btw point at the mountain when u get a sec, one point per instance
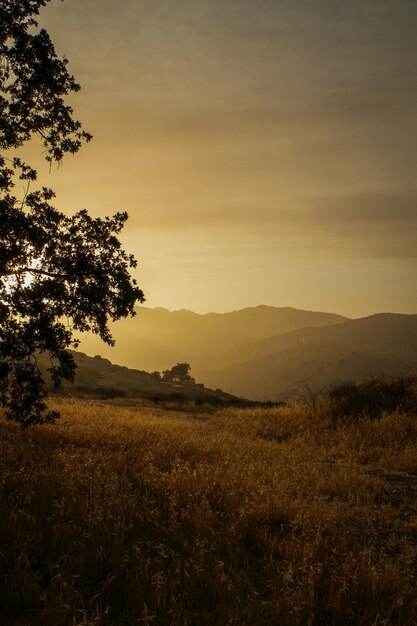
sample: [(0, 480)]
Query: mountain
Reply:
[(287, 365), (264, 353), (157, 338)]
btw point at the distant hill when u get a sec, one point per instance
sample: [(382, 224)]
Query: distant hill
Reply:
[(261, 353), (284, 366), (96, 375), (157, 338)]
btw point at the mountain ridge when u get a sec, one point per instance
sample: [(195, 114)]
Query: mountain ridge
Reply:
[(157, 338), (264, 352), (380, 344)]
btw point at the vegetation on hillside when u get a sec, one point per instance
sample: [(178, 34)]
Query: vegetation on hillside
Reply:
[(99, 378), (296, 515)]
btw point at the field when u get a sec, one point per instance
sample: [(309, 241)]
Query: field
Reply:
[(129, 513)]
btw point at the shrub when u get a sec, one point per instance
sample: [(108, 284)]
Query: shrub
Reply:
[(374, 398)]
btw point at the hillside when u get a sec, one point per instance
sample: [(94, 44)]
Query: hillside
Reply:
[(284, 366), (157, 338), (99, 376)]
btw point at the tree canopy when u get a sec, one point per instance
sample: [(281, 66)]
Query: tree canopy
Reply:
[(179, 373), (58, 274)]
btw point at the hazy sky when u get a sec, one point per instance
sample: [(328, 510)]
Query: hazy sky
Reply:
[(265, 150)]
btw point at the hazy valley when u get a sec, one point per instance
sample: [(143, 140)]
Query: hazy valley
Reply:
[(265, 353)]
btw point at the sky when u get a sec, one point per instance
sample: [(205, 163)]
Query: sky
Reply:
[(265, 151)]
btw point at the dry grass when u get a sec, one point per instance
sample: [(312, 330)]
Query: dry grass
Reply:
[(129, 515)]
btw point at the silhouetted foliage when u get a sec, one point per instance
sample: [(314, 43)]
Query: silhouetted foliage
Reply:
[(177, 397), (373, 398), (179, 373), (58, 274)]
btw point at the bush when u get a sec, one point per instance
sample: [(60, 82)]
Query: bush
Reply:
[(177, 397), (374, 398), (111, 392)]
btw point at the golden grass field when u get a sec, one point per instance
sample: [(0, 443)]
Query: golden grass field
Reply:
[(135, 514)]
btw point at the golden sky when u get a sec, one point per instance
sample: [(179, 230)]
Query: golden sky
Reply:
[(265, 151)]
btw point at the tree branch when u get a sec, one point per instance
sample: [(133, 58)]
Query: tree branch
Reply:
[(33, 270)]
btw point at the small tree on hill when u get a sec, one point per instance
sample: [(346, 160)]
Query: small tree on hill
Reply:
[(58, 274), (179, 373)]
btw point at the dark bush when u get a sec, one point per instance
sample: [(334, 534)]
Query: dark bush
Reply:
[(177, 397), (109, 393), (373, 398)]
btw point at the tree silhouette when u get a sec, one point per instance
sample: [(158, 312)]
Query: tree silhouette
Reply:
[(58, 274), (179, 373)]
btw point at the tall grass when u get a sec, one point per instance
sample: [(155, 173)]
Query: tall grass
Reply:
[(283, 516)]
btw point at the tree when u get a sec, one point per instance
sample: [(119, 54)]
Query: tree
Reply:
[(179, 373), (58, 273)]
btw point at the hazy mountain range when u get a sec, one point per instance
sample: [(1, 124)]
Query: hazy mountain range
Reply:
[(295, 363), (265, 352), (157, 338)]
